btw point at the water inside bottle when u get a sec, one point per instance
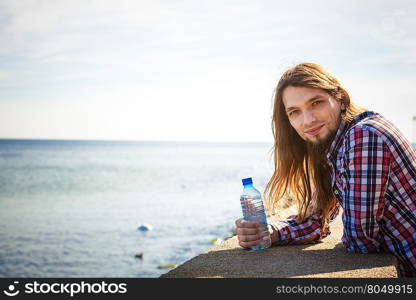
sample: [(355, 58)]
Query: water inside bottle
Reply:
[(253, 210)]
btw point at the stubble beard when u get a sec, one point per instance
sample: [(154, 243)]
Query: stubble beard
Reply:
[(318, 150), (319, 164)]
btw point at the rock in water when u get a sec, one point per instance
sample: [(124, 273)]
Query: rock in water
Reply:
[(145, 227), (168, 266), (216, 241)]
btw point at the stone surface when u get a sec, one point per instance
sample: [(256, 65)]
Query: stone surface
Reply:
[(325, 259)]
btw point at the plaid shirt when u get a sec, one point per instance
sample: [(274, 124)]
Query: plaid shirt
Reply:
[(374, 180)]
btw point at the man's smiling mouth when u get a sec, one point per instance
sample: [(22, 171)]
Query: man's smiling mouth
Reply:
[(315, 130)]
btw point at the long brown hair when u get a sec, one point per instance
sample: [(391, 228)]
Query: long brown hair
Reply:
[(296, 172)]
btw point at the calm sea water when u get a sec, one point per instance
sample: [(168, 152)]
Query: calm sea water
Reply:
[(72, 208)]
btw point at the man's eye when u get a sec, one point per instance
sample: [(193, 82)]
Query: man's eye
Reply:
[(293, 113), (317, 102)]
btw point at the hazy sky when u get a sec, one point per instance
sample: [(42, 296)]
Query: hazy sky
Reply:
[(192, 70)]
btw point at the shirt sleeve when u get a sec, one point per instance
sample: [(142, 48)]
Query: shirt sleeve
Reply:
[(290, 231), (365, 175)]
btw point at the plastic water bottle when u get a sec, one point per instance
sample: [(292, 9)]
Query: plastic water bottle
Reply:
[(253, 210)]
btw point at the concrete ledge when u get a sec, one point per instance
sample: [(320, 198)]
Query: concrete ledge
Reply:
[(325, 259)]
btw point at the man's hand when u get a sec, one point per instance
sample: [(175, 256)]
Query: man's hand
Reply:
[(248, 233)]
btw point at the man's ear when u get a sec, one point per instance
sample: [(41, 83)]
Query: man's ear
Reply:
[(339, 97)]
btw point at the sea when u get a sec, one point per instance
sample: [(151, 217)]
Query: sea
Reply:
[(73, 208)]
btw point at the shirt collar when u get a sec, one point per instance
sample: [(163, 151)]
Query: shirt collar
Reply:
[(342, 129)]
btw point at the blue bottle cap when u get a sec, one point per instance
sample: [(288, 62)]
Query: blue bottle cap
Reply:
[(247, 181)]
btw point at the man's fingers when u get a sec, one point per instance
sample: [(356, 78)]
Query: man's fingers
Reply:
[(250, 243), (246, 224), (246, 231), (249, 238)]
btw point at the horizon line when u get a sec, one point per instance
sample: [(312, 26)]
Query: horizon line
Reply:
[(134, 141)]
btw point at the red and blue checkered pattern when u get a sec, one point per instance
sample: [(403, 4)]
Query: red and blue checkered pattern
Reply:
[(374, 179)]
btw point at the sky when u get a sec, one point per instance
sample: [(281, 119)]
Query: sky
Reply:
[(192, 70)]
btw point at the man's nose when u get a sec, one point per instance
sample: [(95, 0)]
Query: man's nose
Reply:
[(308, 119)]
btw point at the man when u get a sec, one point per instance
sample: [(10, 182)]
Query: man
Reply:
[(329, 152)]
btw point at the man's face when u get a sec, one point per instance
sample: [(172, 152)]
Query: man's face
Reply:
[(313, 113)]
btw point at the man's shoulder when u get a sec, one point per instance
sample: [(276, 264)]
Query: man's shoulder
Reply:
[(370, 125), (371, 134)]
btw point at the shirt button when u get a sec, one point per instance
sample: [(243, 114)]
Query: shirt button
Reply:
[(336, 192)]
